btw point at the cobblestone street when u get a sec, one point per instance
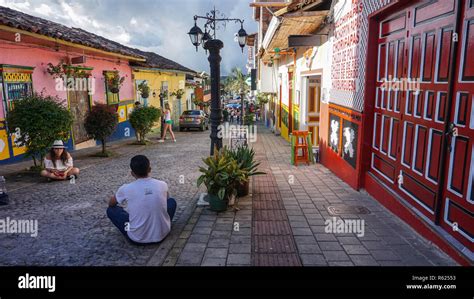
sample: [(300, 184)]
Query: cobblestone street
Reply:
[(73, 227), (281, 223)]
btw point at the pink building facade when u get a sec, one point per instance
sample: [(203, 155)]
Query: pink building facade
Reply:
[(23, 69)]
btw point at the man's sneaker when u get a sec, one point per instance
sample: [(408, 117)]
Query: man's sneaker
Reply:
[(161, 140)]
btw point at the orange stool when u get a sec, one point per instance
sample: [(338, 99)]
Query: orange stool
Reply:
[(301, 143)]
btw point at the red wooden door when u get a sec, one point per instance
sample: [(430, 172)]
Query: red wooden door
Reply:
[(416, 44), (458, 196)]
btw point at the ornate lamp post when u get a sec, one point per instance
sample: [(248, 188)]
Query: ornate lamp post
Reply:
[(213, 45)]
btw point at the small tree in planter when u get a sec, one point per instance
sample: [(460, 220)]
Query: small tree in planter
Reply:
[(143, 119), (144, 89), (39, 120), (100, 123), (114, 82)]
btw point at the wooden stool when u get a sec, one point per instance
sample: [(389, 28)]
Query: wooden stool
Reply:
[(301, 138)]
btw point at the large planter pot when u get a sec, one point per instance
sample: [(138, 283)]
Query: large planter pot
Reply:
[(216, 204), (145, 95), (243, 189)]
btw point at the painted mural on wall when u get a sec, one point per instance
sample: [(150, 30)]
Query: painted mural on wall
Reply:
[(350, 133), (349, 51), (334, 132)]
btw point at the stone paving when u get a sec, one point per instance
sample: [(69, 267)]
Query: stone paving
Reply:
[(282, 223), (73, 226)]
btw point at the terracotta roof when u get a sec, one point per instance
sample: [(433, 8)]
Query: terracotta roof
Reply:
[(19, 20), (154, 60)]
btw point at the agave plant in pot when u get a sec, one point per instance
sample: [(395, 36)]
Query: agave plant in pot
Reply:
[(245, 158), (220, 178)]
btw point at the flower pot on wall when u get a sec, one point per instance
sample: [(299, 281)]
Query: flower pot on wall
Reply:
[(145, 95), (216, 204)]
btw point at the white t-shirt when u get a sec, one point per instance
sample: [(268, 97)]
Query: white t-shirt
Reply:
[(147, 207), (48, 164)]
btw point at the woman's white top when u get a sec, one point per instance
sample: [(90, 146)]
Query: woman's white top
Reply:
[(48, 164), (167, 115)]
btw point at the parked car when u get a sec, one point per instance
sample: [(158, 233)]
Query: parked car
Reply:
[(197, 119)]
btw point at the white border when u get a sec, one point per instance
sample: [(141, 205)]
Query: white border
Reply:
[(426, 104), (438, 53), (403, 146), (378, 171), (374, 136), (471, 179), (450, 167), (456, 110), (413, 162), (382, 128), (446, 210), (438, 107), (390, 141), (463, 49), (422, 204), (428, 160)]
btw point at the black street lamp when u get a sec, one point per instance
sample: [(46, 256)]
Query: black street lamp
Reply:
[(213, 45)]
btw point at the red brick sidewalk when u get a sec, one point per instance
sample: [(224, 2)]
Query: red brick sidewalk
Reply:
[(272, 239)]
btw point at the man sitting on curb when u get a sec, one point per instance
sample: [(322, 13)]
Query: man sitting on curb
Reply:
[(150, 210)]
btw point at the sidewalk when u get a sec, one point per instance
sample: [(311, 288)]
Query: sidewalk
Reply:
[(283, 223)]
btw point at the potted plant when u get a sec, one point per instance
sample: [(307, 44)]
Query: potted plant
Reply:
[(178, 93), (220, 179), (245, 158), (114, 82), (144, 89)]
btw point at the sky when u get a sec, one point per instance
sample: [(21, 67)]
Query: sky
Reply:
[(159, 26)]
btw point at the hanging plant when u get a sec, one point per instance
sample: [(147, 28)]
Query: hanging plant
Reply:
[(144, 89), (62, 70), (178, 93), (114, 81)]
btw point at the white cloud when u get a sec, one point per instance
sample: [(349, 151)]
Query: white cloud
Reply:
[(44, 9), (158, 26), (18, 5)]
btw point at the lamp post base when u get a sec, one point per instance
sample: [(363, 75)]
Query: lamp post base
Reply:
[(214, 46)]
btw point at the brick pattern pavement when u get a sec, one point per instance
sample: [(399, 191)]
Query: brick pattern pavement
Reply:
[(214, 239), (272, 238), (306, 192)]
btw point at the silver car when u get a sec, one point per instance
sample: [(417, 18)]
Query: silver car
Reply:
[(193, 119)]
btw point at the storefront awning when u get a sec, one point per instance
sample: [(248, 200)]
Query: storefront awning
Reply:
[(296, 23)]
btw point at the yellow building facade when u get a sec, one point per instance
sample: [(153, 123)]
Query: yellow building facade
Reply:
[(158, 81)]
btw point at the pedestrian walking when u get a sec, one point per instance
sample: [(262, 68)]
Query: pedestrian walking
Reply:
[(168, 124)]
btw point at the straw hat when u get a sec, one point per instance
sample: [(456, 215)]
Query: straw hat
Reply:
[(58, 144)]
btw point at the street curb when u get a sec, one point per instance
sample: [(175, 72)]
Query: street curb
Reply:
[(158, 258)]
